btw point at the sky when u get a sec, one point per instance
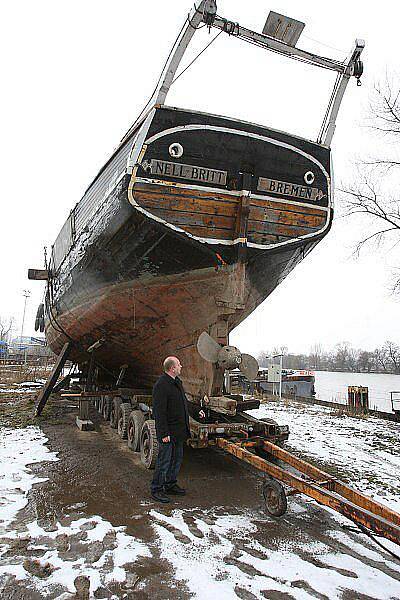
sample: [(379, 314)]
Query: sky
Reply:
[(76, 74)]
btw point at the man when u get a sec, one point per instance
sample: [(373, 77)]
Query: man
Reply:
[(171, 416)]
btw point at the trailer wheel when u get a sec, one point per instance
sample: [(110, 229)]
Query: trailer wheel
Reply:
[(135, 424), (123, 418), (106, 407), (148, 444), (114, 414), (274, 498)]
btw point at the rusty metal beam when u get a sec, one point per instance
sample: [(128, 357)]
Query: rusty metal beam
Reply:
[(338, 486), (52, 380), (384, 526), (98, 393)]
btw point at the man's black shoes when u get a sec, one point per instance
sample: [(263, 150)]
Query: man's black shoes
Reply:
[(175, 490), (160, 497)]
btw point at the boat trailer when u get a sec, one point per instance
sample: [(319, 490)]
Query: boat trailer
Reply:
[(311, 481), (255, 442)]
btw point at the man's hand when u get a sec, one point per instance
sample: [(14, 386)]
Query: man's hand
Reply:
[(166, 439)]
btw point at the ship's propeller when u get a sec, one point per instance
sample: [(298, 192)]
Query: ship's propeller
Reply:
[(249, 367), (227, 357)]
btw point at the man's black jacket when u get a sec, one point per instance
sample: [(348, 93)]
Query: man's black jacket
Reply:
[(170, 408)]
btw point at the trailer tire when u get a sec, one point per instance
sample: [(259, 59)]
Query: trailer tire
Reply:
[(123, 417), (39, 321), (274, 498), (106, 407), (114, 413), (148, 444), (135, 424)]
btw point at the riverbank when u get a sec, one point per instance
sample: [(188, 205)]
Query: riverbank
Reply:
[(332, 387), (334, 405)]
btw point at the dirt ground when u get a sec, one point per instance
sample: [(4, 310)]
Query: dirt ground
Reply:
[(216, 541)]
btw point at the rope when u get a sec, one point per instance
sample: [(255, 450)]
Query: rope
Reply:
[(196, 57), (374, 539)]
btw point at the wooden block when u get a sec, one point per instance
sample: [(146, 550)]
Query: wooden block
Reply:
[(84, 424)]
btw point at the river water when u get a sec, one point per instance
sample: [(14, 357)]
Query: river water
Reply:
[(333, 387)]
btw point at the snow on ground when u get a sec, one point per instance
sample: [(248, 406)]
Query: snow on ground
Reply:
[(18, 448), (245, 555), (218, 557), (204, 550), (102, 563)]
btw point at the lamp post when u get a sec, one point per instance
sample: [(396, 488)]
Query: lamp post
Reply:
[(280, 374), (26, 294)]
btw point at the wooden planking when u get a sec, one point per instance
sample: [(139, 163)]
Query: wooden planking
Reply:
[(287, 206), (206, 232), (188, 218), (210, 207), (262, 238), (215, 207), (286, 217), (277, 229), (173, 190), (213, 215)]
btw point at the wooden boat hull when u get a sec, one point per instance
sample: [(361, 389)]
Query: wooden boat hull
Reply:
[(157, 252)]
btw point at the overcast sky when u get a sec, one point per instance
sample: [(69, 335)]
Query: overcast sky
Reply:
[(76, 74)]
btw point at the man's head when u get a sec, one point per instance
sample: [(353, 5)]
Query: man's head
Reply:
[(172, 366)]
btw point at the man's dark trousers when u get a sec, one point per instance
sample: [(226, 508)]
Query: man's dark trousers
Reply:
[(169, 461)]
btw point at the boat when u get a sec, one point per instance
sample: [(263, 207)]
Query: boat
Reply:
[(191, 224), (300, 382)]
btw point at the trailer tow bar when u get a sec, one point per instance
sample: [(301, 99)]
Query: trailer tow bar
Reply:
[(316, 484)]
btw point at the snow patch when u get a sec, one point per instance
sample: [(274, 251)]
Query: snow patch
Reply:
[(18, 449)]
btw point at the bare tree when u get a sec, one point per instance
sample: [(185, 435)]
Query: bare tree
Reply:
[(277, 350), (368, 196), (6, 326), (316, 353), (365, 362), (263, 358), (345, 357), (392, 351), (380, 359)]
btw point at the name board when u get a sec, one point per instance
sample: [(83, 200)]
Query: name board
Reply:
[(181, 171), (289, 189)]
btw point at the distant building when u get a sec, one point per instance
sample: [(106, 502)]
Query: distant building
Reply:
[(29, 340), (27, 347)]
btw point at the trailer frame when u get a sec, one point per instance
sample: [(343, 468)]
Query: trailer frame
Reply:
[(256, 442), (318, 485)]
